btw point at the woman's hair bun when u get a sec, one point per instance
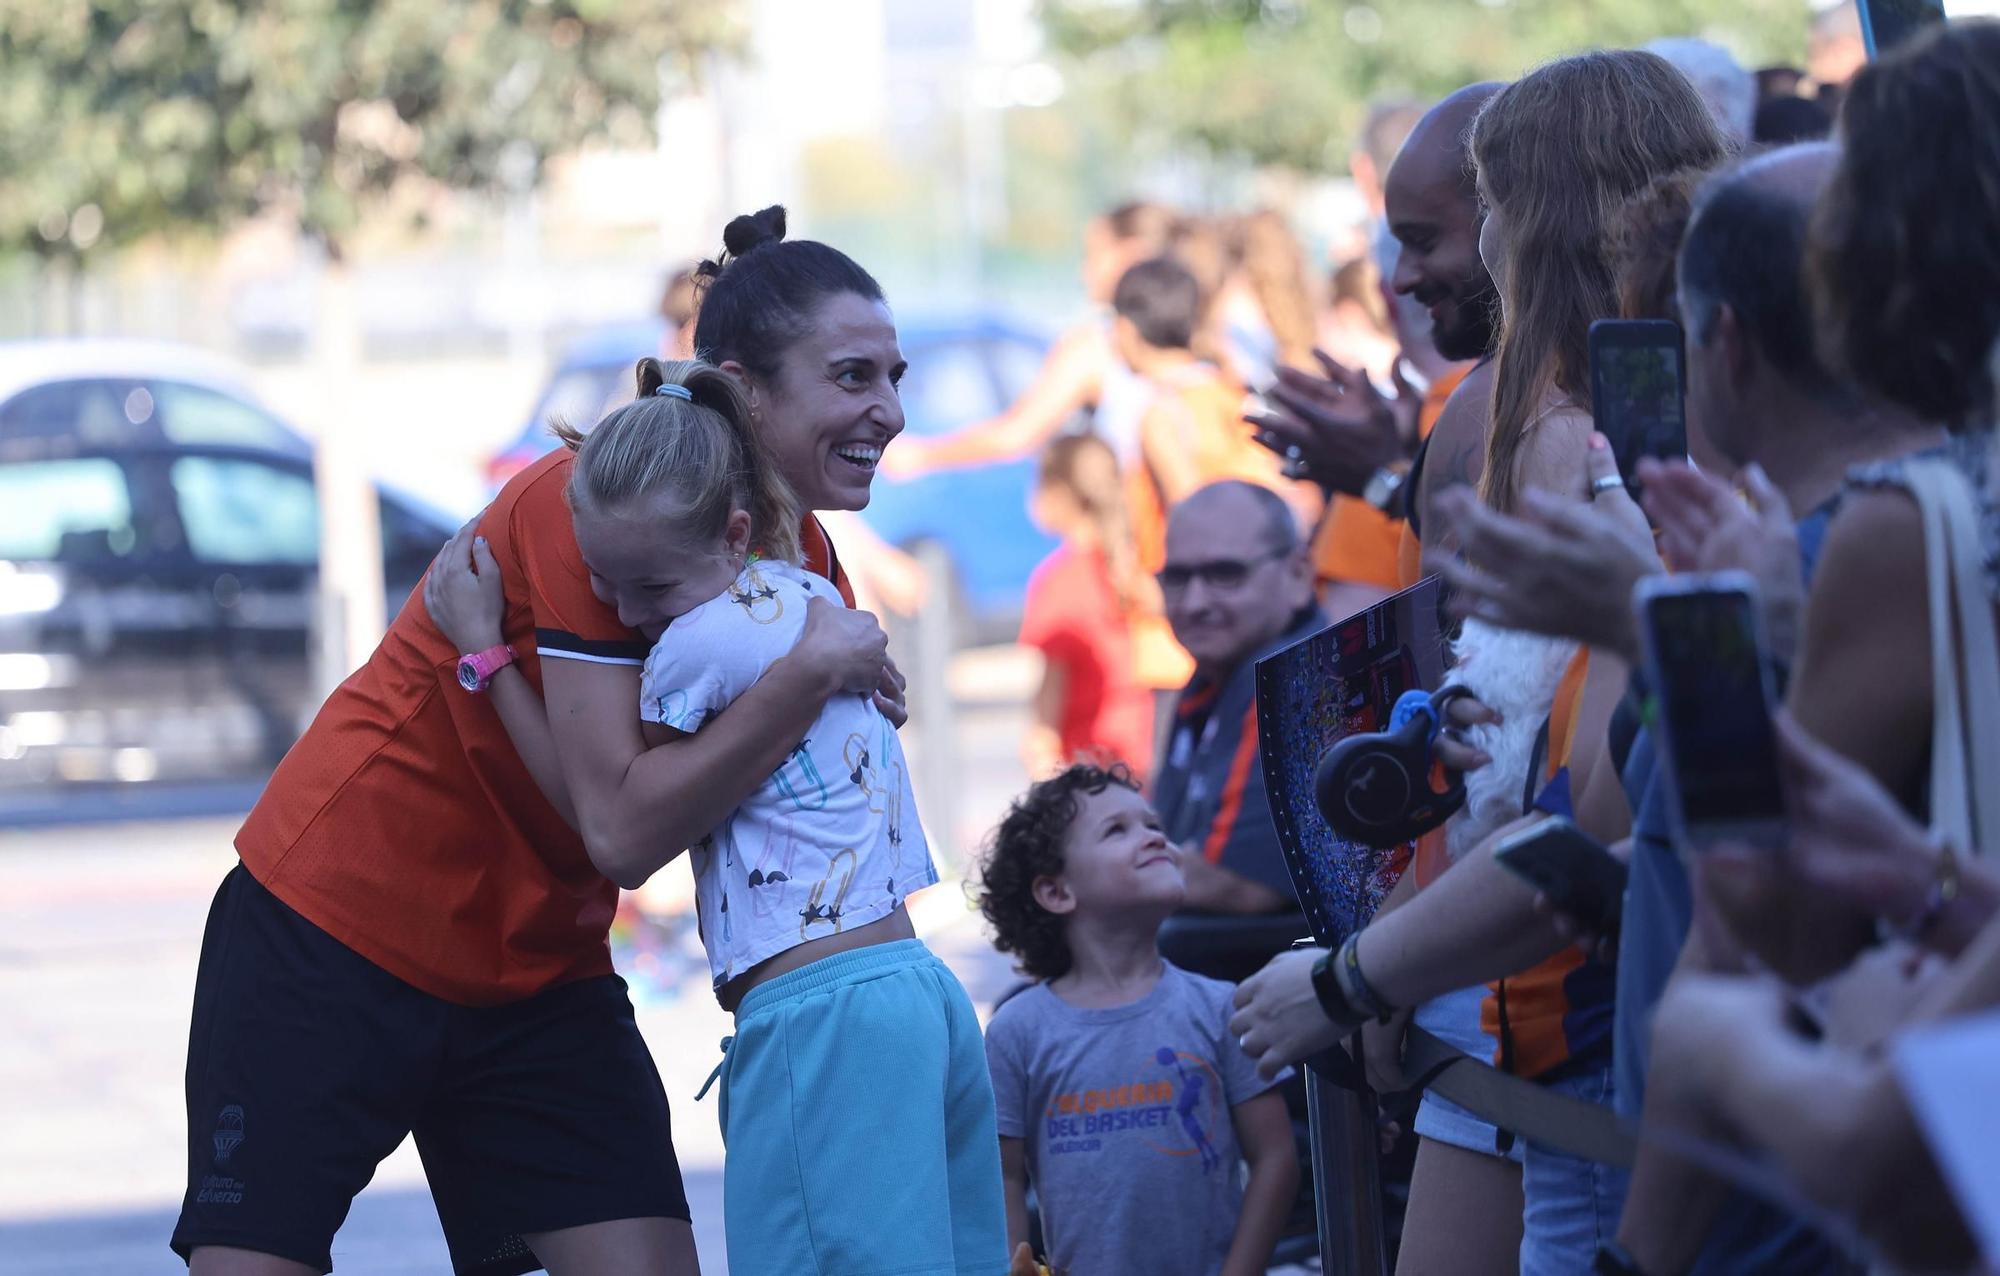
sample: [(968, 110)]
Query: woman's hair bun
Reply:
[(754, 230)]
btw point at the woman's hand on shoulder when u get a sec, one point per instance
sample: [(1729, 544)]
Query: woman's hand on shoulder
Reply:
[(847, 650), (462, 591)]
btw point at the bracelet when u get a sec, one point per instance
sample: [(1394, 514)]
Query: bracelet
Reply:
[(1354, 984)]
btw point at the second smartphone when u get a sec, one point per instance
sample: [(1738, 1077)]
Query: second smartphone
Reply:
[(1706, 658)]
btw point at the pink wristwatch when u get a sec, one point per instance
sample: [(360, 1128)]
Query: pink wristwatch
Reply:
[(477, 669)]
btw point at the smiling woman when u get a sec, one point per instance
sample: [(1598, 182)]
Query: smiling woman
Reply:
[(809, 333), (407, 861)]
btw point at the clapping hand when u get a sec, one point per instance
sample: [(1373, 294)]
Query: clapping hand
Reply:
[(1706, 527), (1337, 430)]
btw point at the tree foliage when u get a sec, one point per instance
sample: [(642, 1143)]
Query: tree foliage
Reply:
[(1287, 82), (124, 118)]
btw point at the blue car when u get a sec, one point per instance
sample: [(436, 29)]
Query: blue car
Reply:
[(963, 368)]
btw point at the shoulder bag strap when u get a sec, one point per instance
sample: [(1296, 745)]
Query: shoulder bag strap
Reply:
[(1962, 643)]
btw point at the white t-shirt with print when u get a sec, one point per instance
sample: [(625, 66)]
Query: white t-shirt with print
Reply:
[(831, 840)]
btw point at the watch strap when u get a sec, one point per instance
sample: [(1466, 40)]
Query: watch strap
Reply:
[(477, 669), (1332, 995)]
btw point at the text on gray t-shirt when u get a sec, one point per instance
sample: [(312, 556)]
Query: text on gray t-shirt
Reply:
[(1127, 1117)]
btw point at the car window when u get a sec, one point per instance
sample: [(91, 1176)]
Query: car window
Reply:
[(65, 510), (242, 511), (199, 415), (947, 386), (90, 413)]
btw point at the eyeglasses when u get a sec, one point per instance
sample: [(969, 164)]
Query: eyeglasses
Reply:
[(1218, 573)]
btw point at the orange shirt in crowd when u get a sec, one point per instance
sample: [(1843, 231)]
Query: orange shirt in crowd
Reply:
[(1558, 1009), (404, 824), (1200, 417), (1357, 543), (1073, 616)]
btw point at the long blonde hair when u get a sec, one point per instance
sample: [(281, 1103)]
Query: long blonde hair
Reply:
[(1558, 153), (690, 460)]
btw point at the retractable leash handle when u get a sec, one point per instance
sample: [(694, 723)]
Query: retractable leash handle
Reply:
[(1375, 788)]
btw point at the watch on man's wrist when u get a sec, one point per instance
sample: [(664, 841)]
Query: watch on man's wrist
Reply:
[(1332, 996), (1384, 491), (476, 671)]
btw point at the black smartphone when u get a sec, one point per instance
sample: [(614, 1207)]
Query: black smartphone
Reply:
[(1580, 877), (1706, 656), (1638, 391), (1887, 23)]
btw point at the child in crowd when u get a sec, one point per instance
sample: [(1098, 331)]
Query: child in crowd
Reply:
[(1079, 614), (847, 1027), (1121, 1095)]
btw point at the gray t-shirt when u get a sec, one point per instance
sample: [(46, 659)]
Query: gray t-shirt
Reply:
[(1126, 1113)]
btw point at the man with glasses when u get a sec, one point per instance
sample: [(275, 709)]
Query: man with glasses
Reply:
[(1238, 585)]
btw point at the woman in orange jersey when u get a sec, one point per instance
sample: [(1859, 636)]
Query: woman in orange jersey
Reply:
[(415, 940)]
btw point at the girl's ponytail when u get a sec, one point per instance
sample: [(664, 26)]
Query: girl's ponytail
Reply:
[(688, 445), (774, 509)]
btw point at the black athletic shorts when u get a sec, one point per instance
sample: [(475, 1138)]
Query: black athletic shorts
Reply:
[(307, 1064)]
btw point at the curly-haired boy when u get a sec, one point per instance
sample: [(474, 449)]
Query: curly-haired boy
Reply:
[(1120, 1092)]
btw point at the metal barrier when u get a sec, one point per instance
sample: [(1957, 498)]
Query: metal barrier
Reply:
[(1347, 1176)]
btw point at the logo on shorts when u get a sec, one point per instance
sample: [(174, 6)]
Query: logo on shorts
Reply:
[(228, 1132)]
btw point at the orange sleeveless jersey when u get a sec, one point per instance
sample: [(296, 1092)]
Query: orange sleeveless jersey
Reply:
[(404, 824), (1551, 1012), (1357, 542)]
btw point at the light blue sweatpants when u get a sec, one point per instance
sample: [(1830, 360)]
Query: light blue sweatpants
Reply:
[(857, 1110)]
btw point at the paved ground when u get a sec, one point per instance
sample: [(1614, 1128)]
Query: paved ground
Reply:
[(100, 925)]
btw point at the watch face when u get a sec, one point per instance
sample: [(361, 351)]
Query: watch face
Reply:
[(468, 677)]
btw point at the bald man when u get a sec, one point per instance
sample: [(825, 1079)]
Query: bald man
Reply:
[(1356, 443), (1237, 587)]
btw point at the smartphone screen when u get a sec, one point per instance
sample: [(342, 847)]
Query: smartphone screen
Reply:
[(1887, 23), (1638, 391), (1714, 708)]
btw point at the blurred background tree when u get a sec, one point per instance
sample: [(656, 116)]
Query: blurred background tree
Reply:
[(129, 118), (1286, 83), (177, 120)]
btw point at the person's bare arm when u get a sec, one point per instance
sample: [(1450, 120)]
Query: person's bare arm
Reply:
[(1476, 922), (639, 808), (1014, 1178), (1598, 791), (462, 593), (1553, 456), (1863, 683), (1071, 379), (1728, 1064), (1264, 1131), (1456, 457), (1863, 688)]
